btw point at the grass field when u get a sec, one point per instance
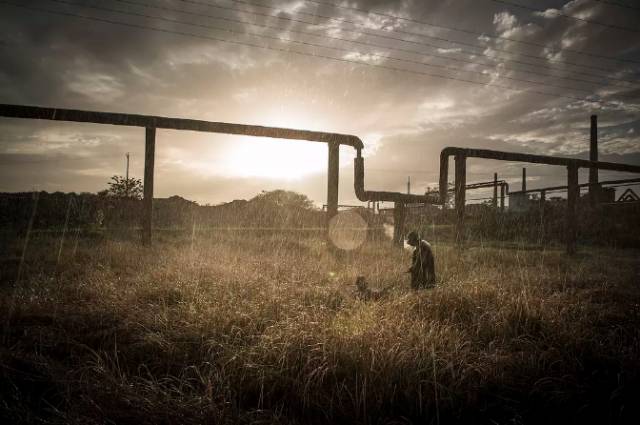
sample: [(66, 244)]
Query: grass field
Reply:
[(236, 328)]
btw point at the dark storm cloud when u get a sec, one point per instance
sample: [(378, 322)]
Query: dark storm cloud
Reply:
[(404, 119)]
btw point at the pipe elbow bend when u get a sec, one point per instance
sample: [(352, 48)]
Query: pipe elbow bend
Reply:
[(358, 179)]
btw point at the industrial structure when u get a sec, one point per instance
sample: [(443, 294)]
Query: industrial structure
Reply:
[(152, 123), (401, 201)]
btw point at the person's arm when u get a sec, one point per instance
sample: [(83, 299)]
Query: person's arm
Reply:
[(414, 261)]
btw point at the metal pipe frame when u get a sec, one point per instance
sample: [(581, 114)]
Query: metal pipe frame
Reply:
[(152, 123), (503, 184), (400, 200), (581, 185), (482, 185), (381, 196), (573, 165), (522, 157)]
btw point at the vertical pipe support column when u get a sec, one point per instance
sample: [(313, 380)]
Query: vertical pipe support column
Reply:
[(502, 198), (147, 201), (399, 214), (460, 187), (572, 210), (332, 180), (593, 156), (443, 184), (543, 200), (495, 191), (524, 179)]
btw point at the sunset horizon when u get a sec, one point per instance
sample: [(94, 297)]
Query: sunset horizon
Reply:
[(367, 212)]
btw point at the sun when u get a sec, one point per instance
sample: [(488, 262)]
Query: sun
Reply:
[(279, 159)]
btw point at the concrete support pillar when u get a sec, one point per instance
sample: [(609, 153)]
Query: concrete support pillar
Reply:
[(460, 189), (147, 201)]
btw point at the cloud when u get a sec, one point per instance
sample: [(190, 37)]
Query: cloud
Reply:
[(455, 50), (374, 58), (405, 119), (98, 87), (504, 21), (548, 13)]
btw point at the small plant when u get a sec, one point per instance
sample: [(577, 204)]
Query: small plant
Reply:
[(122, 187)]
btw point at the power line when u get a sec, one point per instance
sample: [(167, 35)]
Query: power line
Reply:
[(449, 28), (414, 34), (612, 3), (309, 54), (309, 44), (422, 43), (363, 43), (564, 15)]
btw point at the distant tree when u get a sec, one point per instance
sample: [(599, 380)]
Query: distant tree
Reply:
[(121, 187), (284, 199)]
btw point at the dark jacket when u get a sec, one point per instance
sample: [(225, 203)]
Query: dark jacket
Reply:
[(423, 272)]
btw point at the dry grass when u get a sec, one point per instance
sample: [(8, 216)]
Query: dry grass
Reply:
[(231, 329)]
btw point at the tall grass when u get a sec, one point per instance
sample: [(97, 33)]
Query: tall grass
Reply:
[(234, 328)]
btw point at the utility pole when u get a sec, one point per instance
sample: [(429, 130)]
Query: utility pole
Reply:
[(409, 185)]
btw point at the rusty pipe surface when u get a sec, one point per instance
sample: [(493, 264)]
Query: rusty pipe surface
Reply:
[(150, 121), (377, 196), (522, 157), (483, 185), (539, 159), (601, 183)]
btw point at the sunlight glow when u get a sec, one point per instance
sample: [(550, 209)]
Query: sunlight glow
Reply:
[(277, 158)]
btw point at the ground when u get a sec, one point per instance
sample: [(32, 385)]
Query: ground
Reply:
[(246, 328)]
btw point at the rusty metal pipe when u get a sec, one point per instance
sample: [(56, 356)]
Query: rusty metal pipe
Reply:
[(572, 165), (538, 159), (150, 121), (521, 157), (602, 183), (377, 196), (483, 185)]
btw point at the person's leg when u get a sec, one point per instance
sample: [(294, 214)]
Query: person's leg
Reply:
[(431, 270), (415, 280)]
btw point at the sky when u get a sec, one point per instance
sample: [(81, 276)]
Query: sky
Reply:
[(407, 77)]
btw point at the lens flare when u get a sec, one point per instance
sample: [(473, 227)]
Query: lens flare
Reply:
[(347, 230)]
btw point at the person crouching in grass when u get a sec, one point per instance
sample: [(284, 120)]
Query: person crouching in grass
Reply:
[(423, 272)]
